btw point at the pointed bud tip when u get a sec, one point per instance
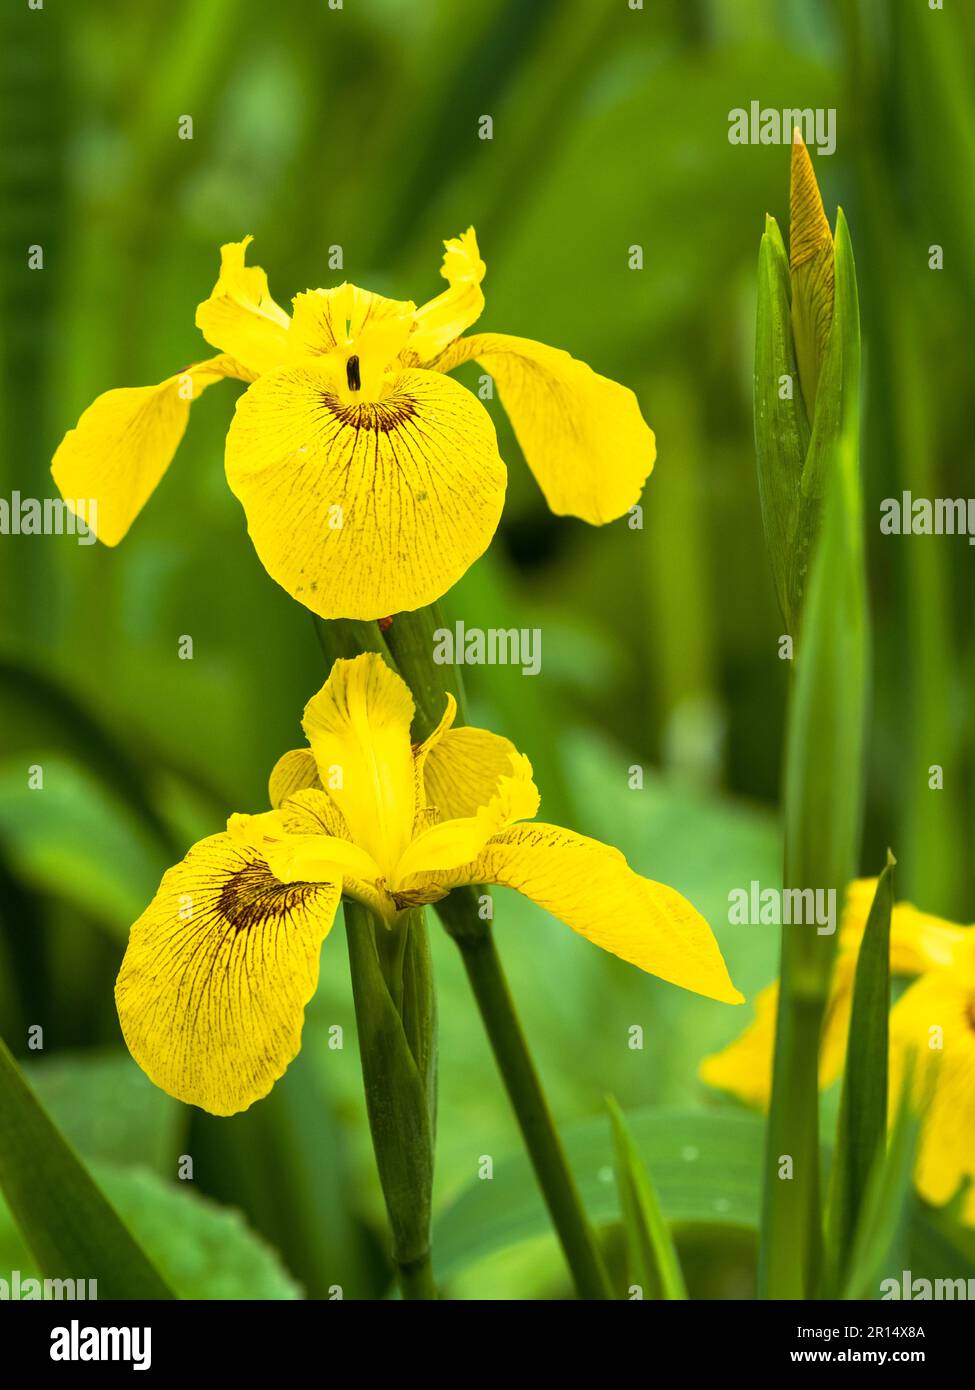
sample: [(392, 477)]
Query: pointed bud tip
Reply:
[(808, 227)]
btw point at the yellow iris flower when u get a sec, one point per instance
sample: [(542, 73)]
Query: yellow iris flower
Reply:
[(370, 479), (219, 968), (942, 957)]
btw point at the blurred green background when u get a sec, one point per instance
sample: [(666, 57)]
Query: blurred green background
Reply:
[(358, 127)]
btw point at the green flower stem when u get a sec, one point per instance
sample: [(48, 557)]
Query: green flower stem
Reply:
[(458, 911), (396, 1021)]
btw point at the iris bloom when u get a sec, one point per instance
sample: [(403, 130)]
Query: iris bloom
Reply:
[(941, 957), (370, 479), (219, 968)]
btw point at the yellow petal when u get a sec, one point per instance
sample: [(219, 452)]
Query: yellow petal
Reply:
[(212, 991), (464, 770), (455, 842), (744, 1067), (590, 887), (292, 773), (305, 855), (111, 462), (441, 320), (932, 1035), (367, 510), (240, 317), (350, 323), (358, 726), (582, 435), (812, 270), (918, 941)]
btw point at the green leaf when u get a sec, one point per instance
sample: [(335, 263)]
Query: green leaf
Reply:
[(706, 1168), (651, 1257), (824, 782), (72, 839), (202, 1249), (67, 1222), (882, 1233), (862, 1125), (781, 427)]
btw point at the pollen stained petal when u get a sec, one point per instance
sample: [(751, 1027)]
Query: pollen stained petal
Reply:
[(366, 509), (582, 435), (219, 968)]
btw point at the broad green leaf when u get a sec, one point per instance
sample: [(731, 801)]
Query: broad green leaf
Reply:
[(706, 1167), (651, 1257), (65, 1219), (862, 1126), (203, 1250), (72, 839)]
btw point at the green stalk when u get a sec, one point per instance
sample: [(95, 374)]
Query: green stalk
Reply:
[(396, 1022), (458, 912), (409, 639), (809, 483)]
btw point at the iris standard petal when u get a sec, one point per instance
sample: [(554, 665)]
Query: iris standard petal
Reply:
[(219, 968), (438, 322), (364, 510), (358, 726), (240, 317), (463, 771), (125, 441), (582, 435)]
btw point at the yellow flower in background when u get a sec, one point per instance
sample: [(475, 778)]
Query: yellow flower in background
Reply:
[(370, 479), (932, 1036), (918, 942), (934, 1020), (219, 968)]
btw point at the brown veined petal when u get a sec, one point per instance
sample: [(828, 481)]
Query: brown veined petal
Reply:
[(364, 510), (441, 320), (590, 887), (240, 317), (109, 465), (292, 773), (582, 435), (219, 968), (462, 772)]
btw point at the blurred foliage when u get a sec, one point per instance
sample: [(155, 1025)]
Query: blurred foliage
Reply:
[(357, 127)]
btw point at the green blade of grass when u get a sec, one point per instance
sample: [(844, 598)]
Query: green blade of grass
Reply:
[(882, 1230), (862, 1125), (652, 1259), (72, 1230)]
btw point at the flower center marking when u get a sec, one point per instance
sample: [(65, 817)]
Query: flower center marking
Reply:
[(352, 374)]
